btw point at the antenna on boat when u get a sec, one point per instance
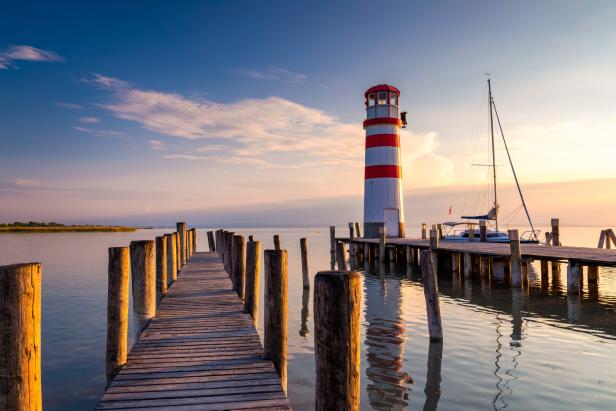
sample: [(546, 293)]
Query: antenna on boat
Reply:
[(491, 103)]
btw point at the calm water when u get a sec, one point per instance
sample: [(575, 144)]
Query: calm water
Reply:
[(502, 349)]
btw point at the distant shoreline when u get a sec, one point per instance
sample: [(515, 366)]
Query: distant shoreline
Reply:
[(66, 229)]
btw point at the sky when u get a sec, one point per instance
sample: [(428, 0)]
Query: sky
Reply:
[(250, 112)]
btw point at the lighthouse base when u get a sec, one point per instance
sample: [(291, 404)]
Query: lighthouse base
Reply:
[(371, 230)]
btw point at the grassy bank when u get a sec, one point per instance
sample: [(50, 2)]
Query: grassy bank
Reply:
[(65, 229)]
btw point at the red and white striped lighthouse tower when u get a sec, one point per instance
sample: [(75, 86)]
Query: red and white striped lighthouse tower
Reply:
[(383, 176)]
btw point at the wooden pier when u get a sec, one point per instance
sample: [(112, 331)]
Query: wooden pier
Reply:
[(200, 351)]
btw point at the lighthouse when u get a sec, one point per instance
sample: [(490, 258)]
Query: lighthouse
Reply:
[(383, 173)]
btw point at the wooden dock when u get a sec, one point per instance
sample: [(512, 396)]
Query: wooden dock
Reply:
[(200, 352), (583, 255)]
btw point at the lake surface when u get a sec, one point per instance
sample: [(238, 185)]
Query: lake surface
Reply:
[(525, 350)]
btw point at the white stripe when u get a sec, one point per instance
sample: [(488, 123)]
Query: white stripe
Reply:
[(381, 193), (382, 129), (377, 156)]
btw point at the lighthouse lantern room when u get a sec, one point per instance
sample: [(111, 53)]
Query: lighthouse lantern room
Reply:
[(383, 203)]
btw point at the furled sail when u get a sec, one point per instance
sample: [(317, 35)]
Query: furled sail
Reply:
[(491, 215)]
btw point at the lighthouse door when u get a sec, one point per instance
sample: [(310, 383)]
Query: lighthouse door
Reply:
[(391, 217)]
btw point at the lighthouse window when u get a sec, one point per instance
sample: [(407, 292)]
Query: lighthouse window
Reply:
[(393, 98), (370, 99), (382, 97)]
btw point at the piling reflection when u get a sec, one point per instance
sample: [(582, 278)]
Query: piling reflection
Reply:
[(433, 376), (303, 330), (385, 338)]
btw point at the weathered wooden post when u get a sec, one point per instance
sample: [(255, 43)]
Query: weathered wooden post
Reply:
[(483, 231), (467, 266), (351, 238), (455, 264), (434, 240), (228, 260), (516, 258), (593, 274), (277, 242), (118, 272), (337, 296), (382, 243), (188, 245), (357, 230), (20, 341), (181, 227), (430, 286), (275, 315), (471, 232), (484, 267), (253, 268), (210, 241), (194, 240), (161, 267), (424, 233), (172, 273), (303, 245), (239, 264), (178, 258), (341, 256), (556, 232), (332, 245), (143, 274), (574, 277), (439, 229)]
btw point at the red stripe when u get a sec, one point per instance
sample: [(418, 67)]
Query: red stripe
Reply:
[(382, 120), (383, 140), (383, 172)]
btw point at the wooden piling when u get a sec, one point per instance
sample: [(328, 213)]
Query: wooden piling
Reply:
[(210, 241), (332, 246), (172, 273), (20, 340), (228, 260), (118, 272), (424, 234), (188, 244), (556, 232), (430, 286), (382, 243), (178, 258), (484, 267), (434, 240), (251, 238), (574, 277), (303, 245), (277, 242), (239, 264), (351, 238), (471, 232), (455, 263), (275, 315), (439, 229), (337, 298), (483, 231), (357, 230), (194, 240), (143, 275), (253, 268), (593, 274), (516, 259), (161, 267), (181, 227), (341, 257)]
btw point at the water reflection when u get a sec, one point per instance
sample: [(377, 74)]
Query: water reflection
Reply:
[(385, 338), (433, 376)]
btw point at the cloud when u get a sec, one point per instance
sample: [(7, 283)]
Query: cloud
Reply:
[(25, 182), (102, 133), (273, 73), (157, 145), (69, 106), (89, 120), (25, 53)]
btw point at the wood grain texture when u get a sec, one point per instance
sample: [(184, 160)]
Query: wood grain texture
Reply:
[(239, 264), (337, 297), (253, 269), (430, 287), (303, 246), (20, 337), (275, 311), (201, 352), (118, 274), (161, 267), (172, 273)]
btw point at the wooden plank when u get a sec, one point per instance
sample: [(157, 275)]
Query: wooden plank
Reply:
[(200, 351)]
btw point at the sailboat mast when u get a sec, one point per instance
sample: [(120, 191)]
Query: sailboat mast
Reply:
[(493, 152)]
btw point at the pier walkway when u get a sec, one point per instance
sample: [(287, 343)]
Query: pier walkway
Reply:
[(583, 255), (200, 352)]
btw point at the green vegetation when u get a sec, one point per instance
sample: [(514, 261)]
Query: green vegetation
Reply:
[(38, 227)]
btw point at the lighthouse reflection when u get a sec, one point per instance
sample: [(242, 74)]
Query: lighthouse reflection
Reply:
[(388, 385)]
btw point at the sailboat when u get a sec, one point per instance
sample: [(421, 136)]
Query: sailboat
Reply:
[(451, 232)]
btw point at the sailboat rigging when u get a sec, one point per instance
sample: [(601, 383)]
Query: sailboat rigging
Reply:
[(492, 215)]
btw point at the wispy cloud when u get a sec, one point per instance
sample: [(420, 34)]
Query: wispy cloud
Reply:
[(89, 120), (25, 53), (273, 73), (157, 145), (102, 133), (70, 106)]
